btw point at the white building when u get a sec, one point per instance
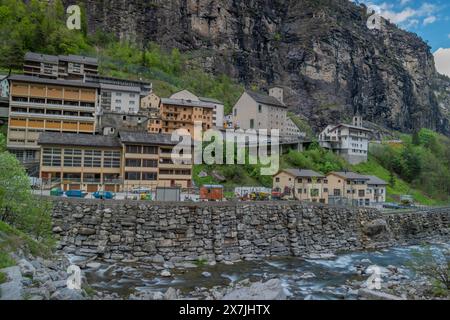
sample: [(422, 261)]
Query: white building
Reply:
[(120, 99), (218, 112), (291, 129), (349, 141), (259, 111), (376, 188)]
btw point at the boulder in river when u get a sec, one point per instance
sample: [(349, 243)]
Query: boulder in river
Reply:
[(270, 290)]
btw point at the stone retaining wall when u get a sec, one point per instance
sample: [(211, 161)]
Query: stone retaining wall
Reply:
[(155, 232)]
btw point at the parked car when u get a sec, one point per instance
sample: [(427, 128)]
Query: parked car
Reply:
[(140, 190), (104, 195), (76, 194), (56, 192)]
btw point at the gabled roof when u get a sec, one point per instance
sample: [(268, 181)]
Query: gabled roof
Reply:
[(297, 173), (75, 139), (376, 181), (40, 57), (60, 82), (351, 127), (210, 100), (186, 103), (351, 175), (146, 138), (265, 99)]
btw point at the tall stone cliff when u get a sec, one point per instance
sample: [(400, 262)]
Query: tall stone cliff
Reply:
[(321, 50)]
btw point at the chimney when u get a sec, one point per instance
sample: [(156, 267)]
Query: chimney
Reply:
[(277, 93)]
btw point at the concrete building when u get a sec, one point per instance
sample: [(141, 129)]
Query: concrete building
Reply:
[(111, 123), (303, 185), (259, 111), (150, 103), (376, 188), (119, 95), (349, 141), (181, 114), (348, 188), (71, 67), (292, 130), (39, 104), (4, 99), (92, 163), (218, 106)]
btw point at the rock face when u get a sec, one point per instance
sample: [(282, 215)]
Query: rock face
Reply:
[(226, 232), (322, 51)]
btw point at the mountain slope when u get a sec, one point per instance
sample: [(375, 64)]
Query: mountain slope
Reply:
[(321, 49)]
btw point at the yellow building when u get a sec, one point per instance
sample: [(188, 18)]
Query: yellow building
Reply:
[(38, 105), (95, 162), (181, 114), (303, 185), (348, 188)]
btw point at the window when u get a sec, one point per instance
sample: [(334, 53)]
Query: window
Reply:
[(361, 193), (146, 163), (149, 176), (337, 192), (92, 159), (299, 191), (132, 176), (72, 158), (134, 163), (259, 108), (111, 159), (252, 123), (325, 190), (134, 149), (314, 192), (277, 179), (150, 150), (51, 157)]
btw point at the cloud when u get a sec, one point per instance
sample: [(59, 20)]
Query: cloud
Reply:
[(442, 61), (407, 16), (429, 20)]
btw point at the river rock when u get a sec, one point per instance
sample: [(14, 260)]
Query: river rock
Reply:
[(13, 289), (26, 268), (67, 294), (206, 274), (376, 227), (376, 295), (171, 294), (271, 290), (166, 273)]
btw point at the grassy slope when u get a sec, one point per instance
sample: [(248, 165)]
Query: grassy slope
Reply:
[(12, 240)]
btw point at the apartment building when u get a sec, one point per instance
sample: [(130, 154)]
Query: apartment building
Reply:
[(260, 111), (148, 161), (349, 141), (303, 185), (130, 160), (39, 104), (182, 114), (80, 162), (218, 106), (348, 188), (376, 188), (69, 67), (119, 95)]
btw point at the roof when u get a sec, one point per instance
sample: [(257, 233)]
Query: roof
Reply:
[(213, 186), (303, 173), (60, 82), (146, 138), (351, 127), (376, 181), (210, 100), (75, 139), (120, 88), (351, 175), (186, 103), (33, 56), (265, 99)]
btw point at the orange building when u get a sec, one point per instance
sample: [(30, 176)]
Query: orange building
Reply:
[(39, 104), (181, 114)]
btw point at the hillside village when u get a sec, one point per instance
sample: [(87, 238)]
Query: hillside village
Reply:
[(74, 129)]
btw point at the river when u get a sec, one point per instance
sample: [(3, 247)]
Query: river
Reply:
[(327, 279)]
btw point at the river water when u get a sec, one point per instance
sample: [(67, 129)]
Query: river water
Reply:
[(302, 278)]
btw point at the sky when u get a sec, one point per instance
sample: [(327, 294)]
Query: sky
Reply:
[(430, 19)]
